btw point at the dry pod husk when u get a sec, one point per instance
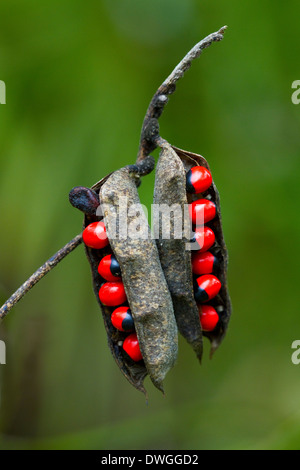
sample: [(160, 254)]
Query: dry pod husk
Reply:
[(222, 301), (170, 189), (144, 282)]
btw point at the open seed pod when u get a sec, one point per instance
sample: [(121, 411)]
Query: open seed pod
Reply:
[(146, 273), (221, 302), (170, 193), (147, 293)]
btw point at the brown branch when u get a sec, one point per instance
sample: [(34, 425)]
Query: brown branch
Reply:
[(150, 128), (39, 274)]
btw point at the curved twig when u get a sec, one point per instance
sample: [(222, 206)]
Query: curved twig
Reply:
[(39, 274), (150, 128)]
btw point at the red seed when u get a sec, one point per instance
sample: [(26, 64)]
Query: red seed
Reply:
[(205, 238), (203, 263), (132, 348), (94, 236), (208, 317), (206, 287), (107, 266), (122, 320), (198, 180), (202, 211), (112, 294)]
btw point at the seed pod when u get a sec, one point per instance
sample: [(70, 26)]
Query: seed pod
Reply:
[(145, 285), (170, 189), (143, 279), (221, 302)]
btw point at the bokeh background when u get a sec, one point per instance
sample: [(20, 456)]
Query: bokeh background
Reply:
[(79, 77)]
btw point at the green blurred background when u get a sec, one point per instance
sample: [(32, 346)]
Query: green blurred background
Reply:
[(79, 77)]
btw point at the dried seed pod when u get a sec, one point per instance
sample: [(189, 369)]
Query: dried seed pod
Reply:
[(144, 282), (146, 288), (221, 302), (170, 191)]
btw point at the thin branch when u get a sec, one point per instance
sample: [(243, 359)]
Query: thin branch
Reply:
[(150, 128), (39, 274)]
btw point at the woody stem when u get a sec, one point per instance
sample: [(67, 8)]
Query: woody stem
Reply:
[(39, 274), (150, 128)]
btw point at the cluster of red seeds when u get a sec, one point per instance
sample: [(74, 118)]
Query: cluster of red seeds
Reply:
[(112, 292), (204, 263)]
